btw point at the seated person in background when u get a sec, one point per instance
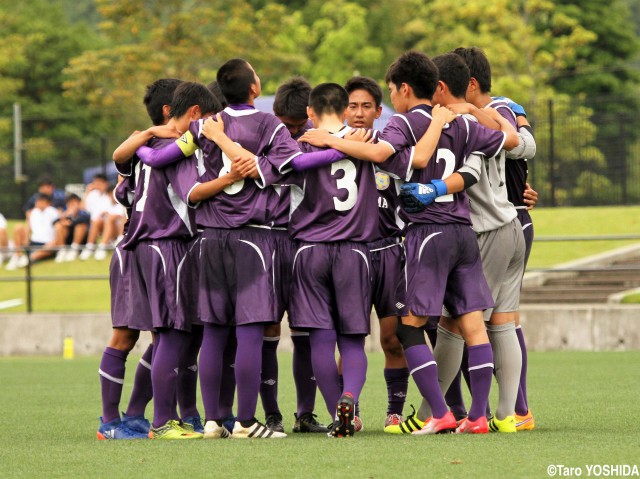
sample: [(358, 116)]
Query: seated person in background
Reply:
[(42, 234), (4, 242), (113, 226), (97, 203), (71, 229)]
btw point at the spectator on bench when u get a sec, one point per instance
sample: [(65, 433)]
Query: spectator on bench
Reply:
[(97, 203), (71, 229)]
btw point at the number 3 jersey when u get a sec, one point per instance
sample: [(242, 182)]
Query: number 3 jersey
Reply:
[(159, 209), (336, 202), (459, 140)]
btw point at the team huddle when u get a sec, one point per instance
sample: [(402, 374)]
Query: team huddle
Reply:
[(237, 216)]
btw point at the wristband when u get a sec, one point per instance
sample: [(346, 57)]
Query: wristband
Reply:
[(440, 186)]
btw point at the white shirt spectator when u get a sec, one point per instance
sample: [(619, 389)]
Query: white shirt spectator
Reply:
[(97, 204), (41, 224)]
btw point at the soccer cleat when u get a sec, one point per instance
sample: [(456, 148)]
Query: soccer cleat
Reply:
[(508, 424), (255, 431), (460, 418), (213, 430), (444, 425), (410, 424), (136, 423), (345, 412), (526, 422), (307, 423), (117, 430), (357, 424), (229, 423), (172, 430), (393, 420), (467, 426), (193, 423), (274, 422)]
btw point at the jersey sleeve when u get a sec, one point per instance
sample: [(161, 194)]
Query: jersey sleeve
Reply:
[(183, 177), (482, 140), (276, 160), (526, 145)]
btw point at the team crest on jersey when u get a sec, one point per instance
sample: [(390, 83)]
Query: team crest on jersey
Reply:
[(382, 180)]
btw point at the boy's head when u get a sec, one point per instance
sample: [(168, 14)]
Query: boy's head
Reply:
[(158, 97), (45, 185), (100, 182), (365, 102), (290, 104), (73, 202), (42, 201), (238, 81), (194, 100), (479, 68), (327, 99), (412, 76), (453, 81), (214, 87)]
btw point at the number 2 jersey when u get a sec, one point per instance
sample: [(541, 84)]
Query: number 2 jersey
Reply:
[(336, 202), (459, 140)]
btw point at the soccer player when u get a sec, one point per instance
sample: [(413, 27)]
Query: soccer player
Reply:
[(163, 280), (387, 252), (126, 328), (440, 247)]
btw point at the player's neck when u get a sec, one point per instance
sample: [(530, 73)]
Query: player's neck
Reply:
[(330, 123), (482, 100), (414, 102)]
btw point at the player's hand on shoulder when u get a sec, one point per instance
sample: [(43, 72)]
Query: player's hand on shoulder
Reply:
[(212, 127), (530, 196), (442, 114), (461, 108), (316, 137), (359, 134)]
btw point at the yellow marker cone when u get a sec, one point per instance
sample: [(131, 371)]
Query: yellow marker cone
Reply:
[(67, 348)]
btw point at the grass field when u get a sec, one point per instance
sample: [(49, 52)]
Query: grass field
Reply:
[(585, 407), (93, 295)]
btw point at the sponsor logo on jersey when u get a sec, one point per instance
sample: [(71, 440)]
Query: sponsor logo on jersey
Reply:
[(382, 180)]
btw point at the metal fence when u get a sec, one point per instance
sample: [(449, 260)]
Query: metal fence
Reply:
[(588, 154)]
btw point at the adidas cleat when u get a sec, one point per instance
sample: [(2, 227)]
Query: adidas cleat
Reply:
[(508, 424), (307, 423), (444, 425), (410, 424), (256, 430), (173, 430), (117, 430), (467, 426), (136, 423), (214, 430), (526, 422)]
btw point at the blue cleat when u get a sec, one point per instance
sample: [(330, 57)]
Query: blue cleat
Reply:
[(136, 423), (117, 430)]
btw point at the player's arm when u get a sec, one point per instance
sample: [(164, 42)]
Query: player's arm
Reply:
[(214, 130), (182, 148), (128, 148), (240, 168), (373, 152), (527, 144), (530, 196)]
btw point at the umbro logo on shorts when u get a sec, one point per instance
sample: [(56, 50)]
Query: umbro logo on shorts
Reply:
[(399, 305)]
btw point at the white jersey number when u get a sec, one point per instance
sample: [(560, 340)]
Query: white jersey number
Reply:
[(238, 185), (140, 167), (347, 182), (449, 164)]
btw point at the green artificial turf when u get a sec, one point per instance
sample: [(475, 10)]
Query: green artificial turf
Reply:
[(583, 402)]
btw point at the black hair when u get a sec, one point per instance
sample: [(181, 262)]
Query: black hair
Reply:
[(44, 196), (214, 87), (100, 176), (189, 94), (416, 70), (45, 180), (71, 197), (159, 94), (328, 98), (479, 67), (454, 72), (235, 78), (292, 98), (367, 84)]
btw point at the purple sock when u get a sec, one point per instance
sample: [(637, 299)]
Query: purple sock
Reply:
[(303, 373), (248, 366), (522, 404), (170, 346), (188, 375), (111, 372), (269, 375), (397, 380), (228, 386), (354, 363), (323, 350), (422, 367), (454, 398), (142, 392), (480, 376), (211, 363)]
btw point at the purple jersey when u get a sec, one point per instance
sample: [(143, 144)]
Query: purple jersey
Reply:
[(336, 202), (246, 202), (159, 209), (458, 140)]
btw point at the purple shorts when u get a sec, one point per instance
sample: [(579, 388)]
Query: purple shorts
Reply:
[(444, 268), (119, 282), (237, 276), (164, 283), (388, 283), (527, 230), (331, 287)]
